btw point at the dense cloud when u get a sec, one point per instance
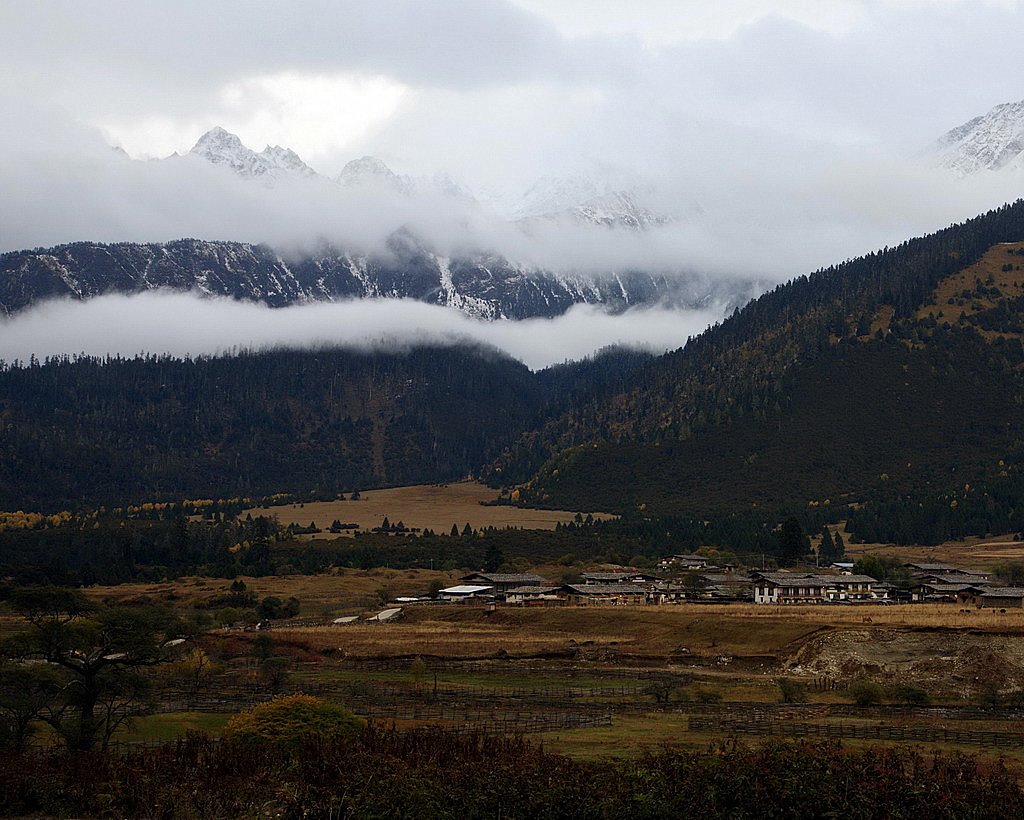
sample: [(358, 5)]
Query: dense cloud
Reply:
[(781, 136), (182, 325)]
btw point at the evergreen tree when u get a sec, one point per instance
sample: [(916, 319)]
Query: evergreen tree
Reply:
[(839, 548), (493, 558), (827, 548), (792, 541)]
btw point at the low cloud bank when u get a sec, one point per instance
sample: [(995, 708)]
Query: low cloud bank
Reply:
[(183, 324)]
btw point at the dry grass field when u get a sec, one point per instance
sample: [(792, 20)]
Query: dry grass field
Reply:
[(346, 591), (969, 553), (1010, 283), (607, 632), (425, 506)]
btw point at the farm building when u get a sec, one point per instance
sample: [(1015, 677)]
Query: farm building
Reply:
[(618, 578), (797, 588), (939, 592), (502, 582), (535, 596), (466, 592), (917, 567), (605, 594), (958, 577), (788, 588), (683, 562), (705, 586), (1001, 598)]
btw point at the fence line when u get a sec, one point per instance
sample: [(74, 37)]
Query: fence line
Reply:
[(919, 734)]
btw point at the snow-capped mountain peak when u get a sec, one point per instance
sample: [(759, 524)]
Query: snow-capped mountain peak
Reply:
[(373, 172), (992, 142), (220, 147), (586, 200)]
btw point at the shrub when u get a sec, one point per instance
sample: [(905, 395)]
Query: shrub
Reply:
[(910, 695), (792, 691), (704, 695), (864, 692), (290, 721)]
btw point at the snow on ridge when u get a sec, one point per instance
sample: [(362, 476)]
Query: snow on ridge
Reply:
[(993, 141)]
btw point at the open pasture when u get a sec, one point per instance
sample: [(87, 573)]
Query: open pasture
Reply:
[(474, 632), (425, 506)]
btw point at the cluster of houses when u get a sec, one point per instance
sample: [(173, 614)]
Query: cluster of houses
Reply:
[(945, 583), (701, 582)]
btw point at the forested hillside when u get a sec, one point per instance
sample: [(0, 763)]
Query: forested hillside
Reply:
[(870, 376), (891, 382), (77, 434)]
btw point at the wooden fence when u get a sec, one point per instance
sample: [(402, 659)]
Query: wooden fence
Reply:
[(491, 721), (852, 731)]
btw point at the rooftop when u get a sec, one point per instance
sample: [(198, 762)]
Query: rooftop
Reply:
[(604, 589), (465, 589), (505, 577)]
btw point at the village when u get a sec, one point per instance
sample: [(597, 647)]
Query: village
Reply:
[(693, 578)]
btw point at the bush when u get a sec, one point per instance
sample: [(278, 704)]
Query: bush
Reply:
[(864, 692), (910, 695), (792, 691), (290, 721), (704, 695)]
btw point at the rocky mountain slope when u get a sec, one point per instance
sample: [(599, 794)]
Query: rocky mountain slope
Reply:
[(483, 286), (220, 147), (992, 142)]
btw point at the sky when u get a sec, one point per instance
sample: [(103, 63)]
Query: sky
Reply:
[(781, 135)]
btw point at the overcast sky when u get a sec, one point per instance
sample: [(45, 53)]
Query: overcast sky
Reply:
[(527, 82), (783, 133)]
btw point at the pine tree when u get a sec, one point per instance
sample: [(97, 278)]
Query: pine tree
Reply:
[(839, 548), (827, 548)]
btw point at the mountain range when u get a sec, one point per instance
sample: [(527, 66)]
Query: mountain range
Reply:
[(600, 198), (482, 283), (486, 286)]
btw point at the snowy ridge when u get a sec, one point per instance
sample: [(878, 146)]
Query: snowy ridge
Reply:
[(220, 147), (486, 286), (581, 199), (991, 142)]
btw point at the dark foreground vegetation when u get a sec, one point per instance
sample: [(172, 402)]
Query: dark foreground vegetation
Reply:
[(383, 772)]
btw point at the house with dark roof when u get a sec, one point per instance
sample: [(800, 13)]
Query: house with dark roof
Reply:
[(939, 592), (811, 588), (623, 577), (1001, 598), (605, 594), (691, 561), (504, 581), (925, 567), (958, 577), (535, 596)]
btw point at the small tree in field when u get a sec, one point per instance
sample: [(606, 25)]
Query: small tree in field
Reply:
[(100, 654)]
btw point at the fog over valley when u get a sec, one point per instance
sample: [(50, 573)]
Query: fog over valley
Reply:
[(188, 325)]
